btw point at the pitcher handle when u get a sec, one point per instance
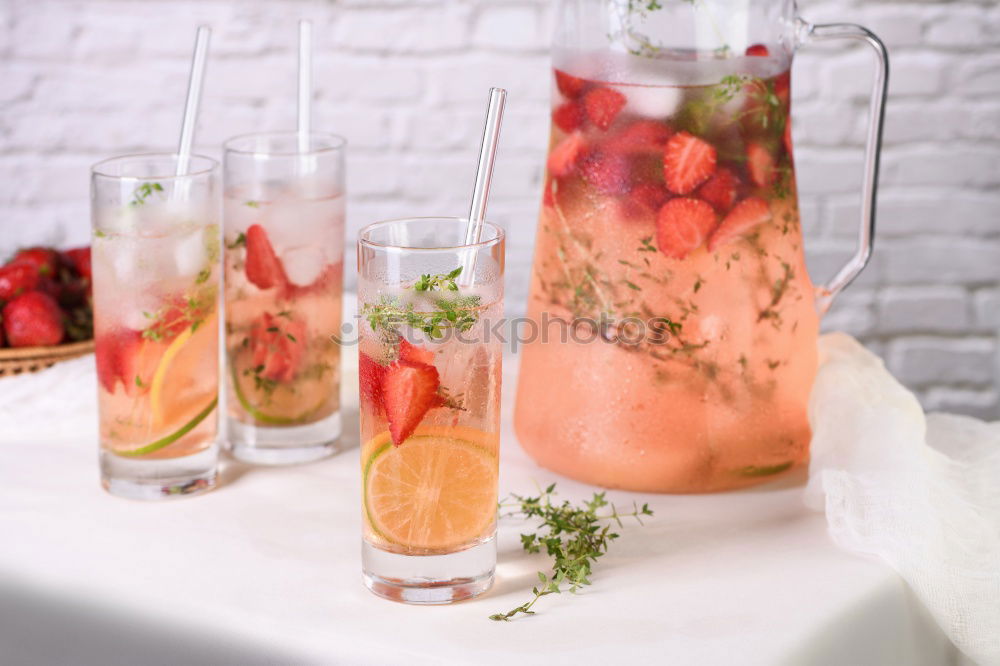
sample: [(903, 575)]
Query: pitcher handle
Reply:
[(809, 32)]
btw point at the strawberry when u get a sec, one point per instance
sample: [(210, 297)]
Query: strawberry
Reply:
[(602, 106), (569, 85), (745, 216), (33, 319), (79, 259), (15, 279), (760, 164), (109, 350), (371, 375), (782, 87), (43, 260), (649, 195), (757, 50), (563, 157), (720, 190), (278, 345), (263, 267), (687, 163), (786, 138), (568, 116), (682, 225), (606, 172), (641, 136), (118, 357), (415, 354), (409, 391)]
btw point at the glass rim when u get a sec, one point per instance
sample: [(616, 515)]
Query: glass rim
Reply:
[(96, 169), (498, 238), (338, 143)]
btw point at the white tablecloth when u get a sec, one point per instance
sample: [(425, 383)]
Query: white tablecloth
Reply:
[(266, 569)]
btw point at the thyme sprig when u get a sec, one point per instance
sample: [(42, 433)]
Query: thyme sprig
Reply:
[(143, 192), (441, 281), (455, 312), (575, 537), (389, 314)]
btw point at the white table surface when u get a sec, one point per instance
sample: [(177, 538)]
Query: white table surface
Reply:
[(266, 569)]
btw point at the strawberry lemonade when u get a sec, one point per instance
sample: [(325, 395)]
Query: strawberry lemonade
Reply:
[(430, 409), (156, 274), (284, 221), (669, 214)]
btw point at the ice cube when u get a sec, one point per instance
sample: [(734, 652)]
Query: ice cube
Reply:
[(652, 101), (189, 252), (303, 264)]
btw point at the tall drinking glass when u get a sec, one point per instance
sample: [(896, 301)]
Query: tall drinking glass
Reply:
[(284, 238), (156, 251), (429, 369)]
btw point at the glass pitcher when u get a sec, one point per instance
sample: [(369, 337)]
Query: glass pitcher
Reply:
[(674, 324)]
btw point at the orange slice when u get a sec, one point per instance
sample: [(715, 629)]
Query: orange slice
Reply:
[(434, 493)]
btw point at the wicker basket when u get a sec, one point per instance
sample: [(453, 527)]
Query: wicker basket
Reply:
[(15, 361)]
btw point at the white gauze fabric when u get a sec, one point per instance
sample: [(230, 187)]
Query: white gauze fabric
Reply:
[(922, 493)]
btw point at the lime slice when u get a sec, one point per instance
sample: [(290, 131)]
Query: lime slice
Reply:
[(433, 493), (174, 436), (263, 417)]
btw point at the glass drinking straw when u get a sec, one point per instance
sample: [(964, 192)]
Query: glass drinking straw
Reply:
[(484, 176)]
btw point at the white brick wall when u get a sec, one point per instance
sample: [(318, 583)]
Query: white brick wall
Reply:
[(406, 80)]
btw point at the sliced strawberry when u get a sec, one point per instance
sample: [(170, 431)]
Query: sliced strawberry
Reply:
[(42, 259), (745, 216), (563, 157), (105, 352), (603, 105), (371, 373), (720, 190), (278, 346), (641, 136), (413, 353), (16, 279), (760, 164), (569, 85), (757, 50), (568, 116), (409, 391), (131, 367), (687, 163), (683, 225), (782, 87), (263, 267), (786, 138), (33, 319), (649, 195), (606, 172)]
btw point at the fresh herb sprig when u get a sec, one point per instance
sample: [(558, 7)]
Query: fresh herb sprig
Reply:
[(439, 282), (457, 313), (575, 537), (143, 192)]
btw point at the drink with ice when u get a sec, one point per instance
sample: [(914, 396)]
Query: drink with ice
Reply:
[(156, 271), (430, 407), (284, 227)]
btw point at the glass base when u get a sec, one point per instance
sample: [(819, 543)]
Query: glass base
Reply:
[(429, 579), (262, 445), (160, 479)]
